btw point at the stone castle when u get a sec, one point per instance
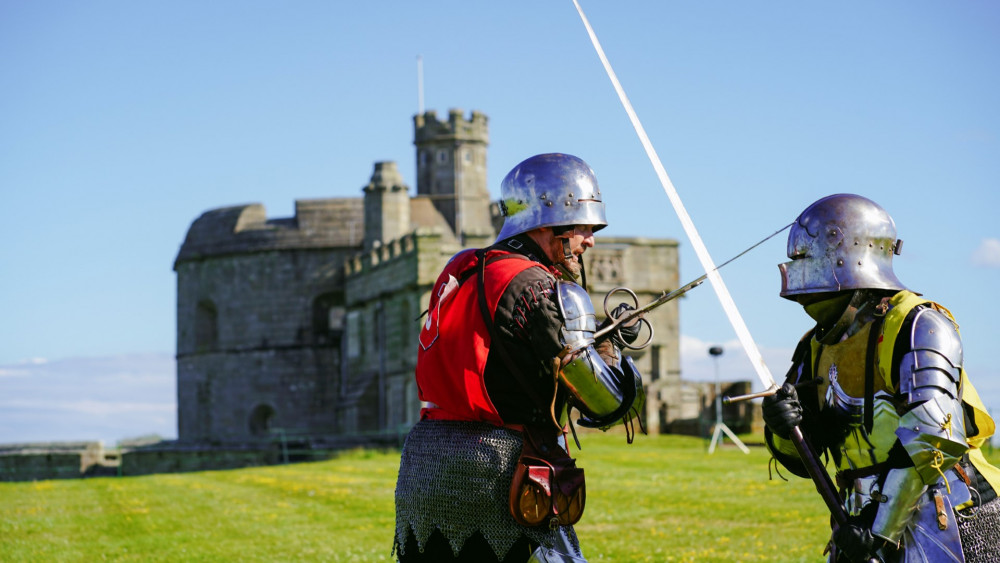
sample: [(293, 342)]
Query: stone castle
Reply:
[(309, 324), (300, 334)]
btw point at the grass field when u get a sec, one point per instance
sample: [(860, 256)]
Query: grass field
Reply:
[(661, 499)]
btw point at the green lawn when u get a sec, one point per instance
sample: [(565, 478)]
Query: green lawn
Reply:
[(663, 498)]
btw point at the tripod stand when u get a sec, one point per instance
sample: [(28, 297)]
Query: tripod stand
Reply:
[(720, 427)]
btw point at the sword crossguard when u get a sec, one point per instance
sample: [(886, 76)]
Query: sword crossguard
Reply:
[(769, 391), (625, 319)]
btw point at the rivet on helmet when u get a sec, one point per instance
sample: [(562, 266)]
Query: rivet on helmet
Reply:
[(818, 265)]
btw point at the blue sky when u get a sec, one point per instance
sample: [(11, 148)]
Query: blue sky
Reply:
[(121, 122)]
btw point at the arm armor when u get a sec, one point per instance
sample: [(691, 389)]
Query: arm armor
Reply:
[(932, 430), (603, 394), (901, 493)]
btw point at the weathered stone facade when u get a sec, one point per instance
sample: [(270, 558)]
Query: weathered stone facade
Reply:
[(258, 330), (309, 324)]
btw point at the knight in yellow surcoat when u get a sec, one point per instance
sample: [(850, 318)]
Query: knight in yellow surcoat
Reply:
[(879, 385)]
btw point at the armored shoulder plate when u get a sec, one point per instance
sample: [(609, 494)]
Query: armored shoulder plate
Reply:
[(576, 308), (934, 363)]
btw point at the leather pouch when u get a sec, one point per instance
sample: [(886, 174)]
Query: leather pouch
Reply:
[(547, 490)]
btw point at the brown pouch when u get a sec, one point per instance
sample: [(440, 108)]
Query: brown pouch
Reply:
[(546, 489)]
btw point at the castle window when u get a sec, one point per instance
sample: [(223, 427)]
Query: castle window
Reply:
[(467, 156), (654, 360), (353, 334), (423, 158), (442, 156), (260, 420), (328, 317), (370, 333), (336, 318), (206, 326)]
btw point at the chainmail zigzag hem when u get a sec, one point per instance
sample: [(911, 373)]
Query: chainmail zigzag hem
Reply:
[(981, 535), (455, 476)]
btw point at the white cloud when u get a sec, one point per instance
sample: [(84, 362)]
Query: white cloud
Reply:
[(22, 367), (89, 407), (987, 254), (94, 398)]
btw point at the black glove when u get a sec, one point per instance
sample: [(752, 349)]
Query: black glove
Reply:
[(782, 411), (855, 543), (628, 333)]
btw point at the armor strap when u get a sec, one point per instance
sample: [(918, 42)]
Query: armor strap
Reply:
[(874, 334), (846, 478)]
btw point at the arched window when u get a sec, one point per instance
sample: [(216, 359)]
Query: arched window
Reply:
[(206, 326)]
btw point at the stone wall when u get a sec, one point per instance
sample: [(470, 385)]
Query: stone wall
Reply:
[(31, 466), (648, 267), (259, 326), (387, 290), (389, 287), (172, 459), (52, 460)]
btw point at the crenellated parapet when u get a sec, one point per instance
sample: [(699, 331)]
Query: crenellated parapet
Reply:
[(365, 262), (429, 128), (451, 167)]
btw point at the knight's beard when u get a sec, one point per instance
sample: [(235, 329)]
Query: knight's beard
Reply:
[(572, 266)]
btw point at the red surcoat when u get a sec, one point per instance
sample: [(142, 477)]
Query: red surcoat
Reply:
[(455, 341)]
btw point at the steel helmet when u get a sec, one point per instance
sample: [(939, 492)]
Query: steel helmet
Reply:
[(840, 242), (550, 190)]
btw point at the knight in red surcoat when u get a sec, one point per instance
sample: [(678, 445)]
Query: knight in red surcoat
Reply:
[(506, 350)]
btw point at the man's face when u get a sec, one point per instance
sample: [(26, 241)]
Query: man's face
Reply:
[(580, 238)]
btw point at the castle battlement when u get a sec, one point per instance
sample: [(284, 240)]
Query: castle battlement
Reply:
[(365, 262), (429, 128)]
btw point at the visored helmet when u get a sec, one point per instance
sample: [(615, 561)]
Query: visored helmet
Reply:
[(549, 190), (840, 242)]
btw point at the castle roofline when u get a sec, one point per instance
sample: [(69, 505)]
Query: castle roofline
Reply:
[(240, 229)]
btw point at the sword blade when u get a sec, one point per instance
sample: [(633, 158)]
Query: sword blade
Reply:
[(721, 291)]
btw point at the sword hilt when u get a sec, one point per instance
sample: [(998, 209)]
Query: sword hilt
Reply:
[(768, 392), (637, 315)]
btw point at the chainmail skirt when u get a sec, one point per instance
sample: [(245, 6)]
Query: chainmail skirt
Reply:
[(455, 476), (981, 535)]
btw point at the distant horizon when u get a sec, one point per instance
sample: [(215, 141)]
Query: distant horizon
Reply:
[(138, 391)]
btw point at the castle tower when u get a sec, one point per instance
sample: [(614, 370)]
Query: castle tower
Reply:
[(387, 206), (451, 170)]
